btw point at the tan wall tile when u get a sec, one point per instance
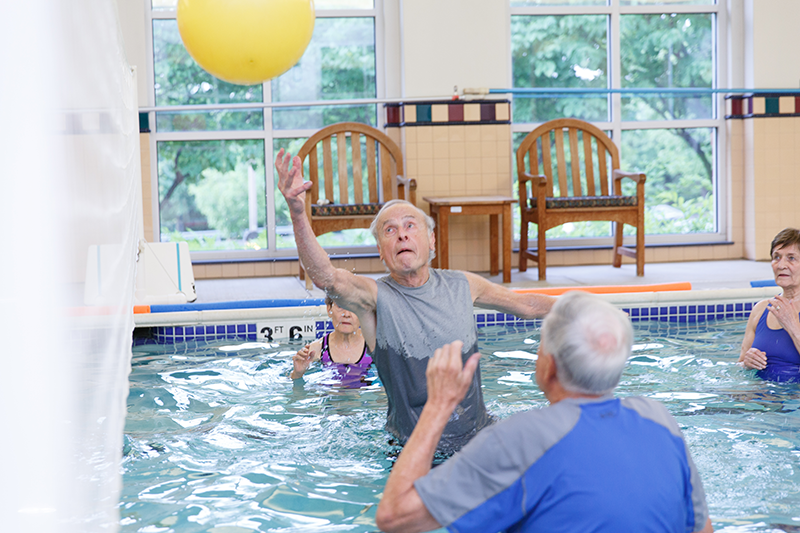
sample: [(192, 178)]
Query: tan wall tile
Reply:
[(264, 269), (394, 134), (458, 166), (441, 150), (489, 132), (213, 271), (440, 113), (425, 150), (458, 150), (425, 168), (247, 270), (441, 167), (230, 270), (456, 133), (473, 166), (472, 112), (425, 134), (502, 111), (409, 113)]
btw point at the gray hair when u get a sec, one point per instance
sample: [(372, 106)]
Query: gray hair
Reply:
[(590, 341), (431, 225)]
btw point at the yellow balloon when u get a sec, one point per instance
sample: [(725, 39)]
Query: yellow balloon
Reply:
[(246, 41)]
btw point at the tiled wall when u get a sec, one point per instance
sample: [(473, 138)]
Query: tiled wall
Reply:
[(457, 148), (765, 136)]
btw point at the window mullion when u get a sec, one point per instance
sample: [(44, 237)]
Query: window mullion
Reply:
[(615, 69), (269, 169)]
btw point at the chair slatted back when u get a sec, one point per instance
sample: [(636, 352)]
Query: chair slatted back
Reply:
[(584, 158), (349, 155)]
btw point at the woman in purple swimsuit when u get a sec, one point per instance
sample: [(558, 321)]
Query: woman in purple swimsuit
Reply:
[(343, 349), (772, 339)]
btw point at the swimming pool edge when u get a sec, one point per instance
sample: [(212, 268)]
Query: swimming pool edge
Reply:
[(311, 321)]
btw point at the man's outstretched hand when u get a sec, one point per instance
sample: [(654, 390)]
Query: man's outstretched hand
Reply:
[(290, 181)]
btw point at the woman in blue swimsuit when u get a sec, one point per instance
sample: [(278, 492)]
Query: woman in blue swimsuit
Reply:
[(772, 339), (343, 349)]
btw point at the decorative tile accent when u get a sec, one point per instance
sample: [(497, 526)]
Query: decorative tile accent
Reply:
[(487, 112), (455, 112), (424, 113), (763, 105), (394, 114), (447, 112), (772, 106)]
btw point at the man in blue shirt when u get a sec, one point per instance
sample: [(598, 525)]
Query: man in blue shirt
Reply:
[(588, 462)]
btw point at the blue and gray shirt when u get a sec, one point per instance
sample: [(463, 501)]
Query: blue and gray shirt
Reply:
[(589, 465)]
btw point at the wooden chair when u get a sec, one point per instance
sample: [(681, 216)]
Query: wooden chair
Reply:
[(360, 168), (575, 187)]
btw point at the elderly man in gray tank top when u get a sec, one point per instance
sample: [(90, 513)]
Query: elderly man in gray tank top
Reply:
[(407, 314)]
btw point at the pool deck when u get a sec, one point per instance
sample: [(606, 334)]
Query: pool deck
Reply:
[(728, 274)]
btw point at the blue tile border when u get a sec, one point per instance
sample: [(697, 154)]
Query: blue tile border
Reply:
[(679, 314)]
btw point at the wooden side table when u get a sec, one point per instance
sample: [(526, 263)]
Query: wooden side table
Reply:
[(442, 208)]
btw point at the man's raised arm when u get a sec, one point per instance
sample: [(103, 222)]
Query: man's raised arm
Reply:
[(356, 293)]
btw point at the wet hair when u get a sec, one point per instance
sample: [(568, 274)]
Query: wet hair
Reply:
[(590, 341), (373, 228), (328, 300), (786, 237)]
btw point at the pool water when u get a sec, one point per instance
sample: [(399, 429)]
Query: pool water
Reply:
[(218, 439)]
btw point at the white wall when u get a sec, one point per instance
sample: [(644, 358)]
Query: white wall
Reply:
[(132, 20), (454, 42), (775, 41)]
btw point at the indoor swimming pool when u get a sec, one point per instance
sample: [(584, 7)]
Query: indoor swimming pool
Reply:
[(219, 439)]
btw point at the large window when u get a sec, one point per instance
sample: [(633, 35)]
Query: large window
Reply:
[(609, 49), (213, 154)]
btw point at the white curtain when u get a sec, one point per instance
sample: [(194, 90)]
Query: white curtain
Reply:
[(70, 182)]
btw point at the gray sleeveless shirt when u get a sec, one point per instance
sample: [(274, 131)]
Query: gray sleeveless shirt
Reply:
[(412, 322)]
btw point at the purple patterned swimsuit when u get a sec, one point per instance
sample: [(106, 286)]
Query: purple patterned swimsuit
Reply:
[(350, 375)]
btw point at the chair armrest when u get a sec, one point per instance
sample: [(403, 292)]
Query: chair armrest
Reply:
[(411, 183), (638, 177), (537, 180)]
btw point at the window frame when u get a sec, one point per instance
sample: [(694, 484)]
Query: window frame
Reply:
[(268, 135), (615, 127)]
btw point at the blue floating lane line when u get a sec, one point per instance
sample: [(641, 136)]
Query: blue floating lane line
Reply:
[(764, 283), (246, 304)]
